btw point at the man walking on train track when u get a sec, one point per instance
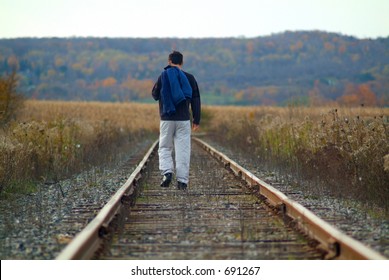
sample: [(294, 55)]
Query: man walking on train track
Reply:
[(176, 90)]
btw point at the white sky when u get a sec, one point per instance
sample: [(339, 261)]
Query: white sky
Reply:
[(190, 18)]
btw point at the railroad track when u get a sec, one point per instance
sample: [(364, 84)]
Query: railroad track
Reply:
[(226, 213)]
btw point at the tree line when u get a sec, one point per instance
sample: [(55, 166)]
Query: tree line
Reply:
[(291, 67)]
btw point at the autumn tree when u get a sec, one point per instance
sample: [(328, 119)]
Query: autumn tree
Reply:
[(233, 70), (138, 88), (109, 82), (355, 95), (368, 97), (10, 100)]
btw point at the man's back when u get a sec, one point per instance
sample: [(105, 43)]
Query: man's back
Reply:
[(182, 109)]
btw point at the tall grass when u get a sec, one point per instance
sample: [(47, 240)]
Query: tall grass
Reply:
[(343, 151), (52, 140)]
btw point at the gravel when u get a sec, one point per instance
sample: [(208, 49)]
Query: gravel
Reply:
[(38, 226), (370, 226)]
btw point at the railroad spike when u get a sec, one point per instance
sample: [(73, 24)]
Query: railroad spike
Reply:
[(103, 230)]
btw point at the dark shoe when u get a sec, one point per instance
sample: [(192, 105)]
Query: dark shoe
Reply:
[(167, 178), (181, 186)]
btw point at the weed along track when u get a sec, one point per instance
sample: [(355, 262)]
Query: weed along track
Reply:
[(226, 213)]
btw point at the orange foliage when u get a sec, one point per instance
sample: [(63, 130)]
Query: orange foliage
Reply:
[(58, 62), (109, 82), (113, 65), (367, 95), (358, 95), (250, 47), (328, 46), (298, 46), (342, 49), (13, 62), (141, 88)]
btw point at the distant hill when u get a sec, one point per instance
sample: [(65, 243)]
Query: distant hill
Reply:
[(292, 67)]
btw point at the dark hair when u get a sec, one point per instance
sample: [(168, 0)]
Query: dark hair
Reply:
[(176, 57)]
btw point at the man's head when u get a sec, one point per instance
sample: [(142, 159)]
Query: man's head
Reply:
[(176, 58)]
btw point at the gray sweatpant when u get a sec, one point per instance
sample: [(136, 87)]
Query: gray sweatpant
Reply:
[(175, 134)]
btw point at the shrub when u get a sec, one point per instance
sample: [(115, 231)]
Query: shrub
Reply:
[(10, 100)]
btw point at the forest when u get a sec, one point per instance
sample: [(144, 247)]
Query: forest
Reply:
[(300, 68)]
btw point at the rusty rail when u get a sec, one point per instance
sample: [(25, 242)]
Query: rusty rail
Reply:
[(338, 244), (87, 242)]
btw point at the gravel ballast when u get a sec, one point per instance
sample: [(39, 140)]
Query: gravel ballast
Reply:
[(349, 216), (38, 226)]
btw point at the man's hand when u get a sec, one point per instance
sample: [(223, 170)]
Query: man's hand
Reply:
[(195, 127)]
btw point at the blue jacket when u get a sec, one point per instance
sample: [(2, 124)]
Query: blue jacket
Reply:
[(182, 109), (175, 89)]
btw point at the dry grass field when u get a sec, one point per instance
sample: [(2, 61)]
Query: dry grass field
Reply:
[(51, 140), (346, 150)]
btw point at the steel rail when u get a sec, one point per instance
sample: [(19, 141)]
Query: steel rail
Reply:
[(336, 243), (87, 242)]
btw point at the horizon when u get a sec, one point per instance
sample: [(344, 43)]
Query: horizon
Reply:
[(188, 38)]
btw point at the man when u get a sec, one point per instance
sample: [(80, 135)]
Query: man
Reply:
[(176, 90)]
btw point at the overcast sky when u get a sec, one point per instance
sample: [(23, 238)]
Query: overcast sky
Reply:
[(190, 18)]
